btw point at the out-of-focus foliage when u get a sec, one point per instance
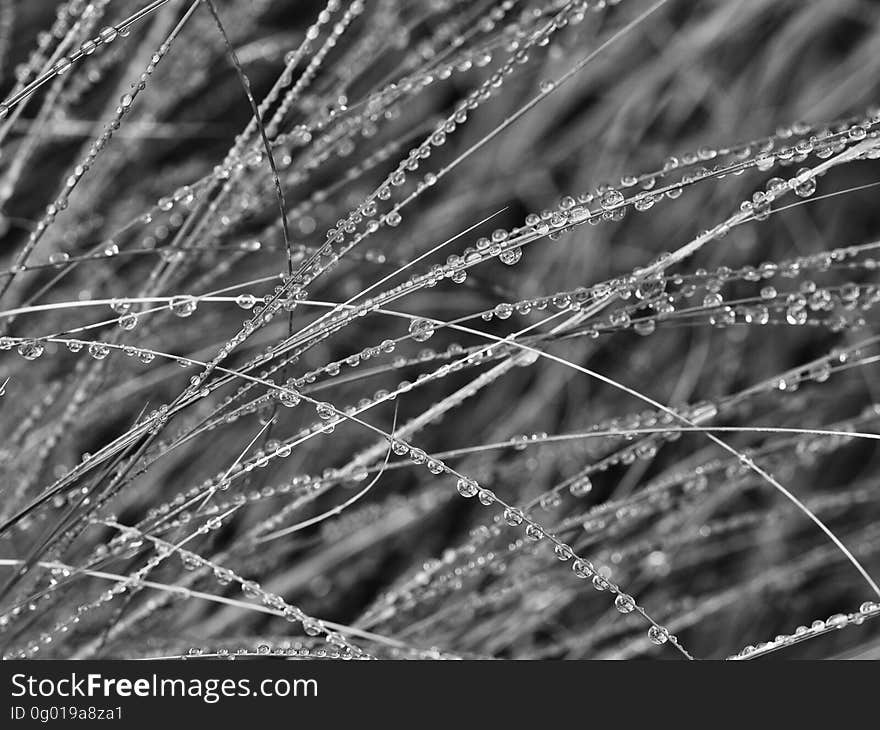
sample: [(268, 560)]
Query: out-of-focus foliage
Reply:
[(563, 347)]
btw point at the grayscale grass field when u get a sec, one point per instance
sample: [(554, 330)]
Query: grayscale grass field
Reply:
[(439, 329)]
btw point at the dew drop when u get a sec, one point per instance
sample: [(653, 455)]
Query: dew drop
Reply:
[(611, 199), (325, 411), (562, 552), (62, 65), (513, 516), (31, 349), (108, 34), (183, 306), (658, 635), (98, 350), (246, 301), (421, 330), (510, 256)]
